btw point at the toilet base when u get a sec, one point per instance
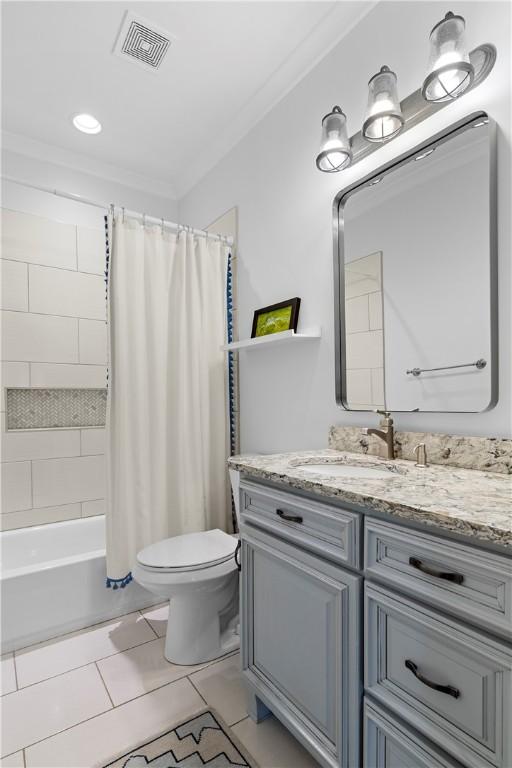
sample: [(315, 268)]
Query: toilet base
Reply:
[(197, 632)]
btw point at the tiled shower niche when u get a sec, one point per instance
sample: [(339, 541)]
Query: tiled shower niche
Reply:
[(38, 408)]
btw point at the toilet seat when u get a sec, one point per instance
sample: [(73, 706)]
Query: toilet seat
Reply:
[(188, 552)]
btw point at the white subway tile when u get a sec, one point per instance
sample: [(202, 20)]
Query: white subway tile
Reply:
[(365, 350), (377, 375), (93, 342), (60, 375), (39, 516), (356, 314), (37, 240), (13, 375), (359, 388), (91, 250), (16, 486), (64, 481), (44, 444), (39, 338), (14, 285), (93, 441), (63, 292), (376, 319), (92, 508)]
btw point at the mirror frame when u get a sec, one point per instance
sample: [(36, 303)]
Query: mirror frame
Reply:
[(339, 257)]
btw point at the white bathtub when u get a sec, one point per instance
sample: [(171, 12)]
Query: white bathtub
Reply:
[(52, 580)]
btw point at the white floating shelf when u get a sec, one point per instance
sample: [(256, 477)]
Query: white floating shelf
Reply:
[(273, 338)]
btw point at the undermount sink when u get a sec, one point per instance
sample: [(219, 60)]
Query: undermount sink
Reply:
[(346, 470)]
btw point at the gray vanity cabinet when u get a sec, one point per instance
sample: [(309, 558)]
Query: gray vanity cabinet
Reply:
[(300, 644), (390, 743), (436, 654)]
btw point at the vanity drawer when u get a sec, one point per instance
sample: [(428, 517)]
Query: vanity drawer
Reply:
[(389, 743), (450, 682), (463, 580), (329, 531)]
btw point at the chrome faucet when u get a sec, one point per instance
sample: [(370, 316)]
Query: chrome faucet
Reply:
[(387, 433)]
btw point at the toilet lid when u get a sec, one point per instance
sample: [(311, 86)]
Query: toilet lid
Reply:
[(190, 551)]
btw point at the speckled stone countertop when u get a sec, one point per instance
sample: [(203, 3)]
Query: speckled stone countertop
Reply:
[(465, 501)]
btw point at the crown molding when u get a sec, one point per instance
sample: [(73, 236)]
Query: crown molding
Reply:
[(23, 145), (330, 30)]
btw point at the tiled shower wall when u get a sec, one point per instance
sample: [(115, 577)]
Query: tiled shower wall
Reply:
[(53, 335)]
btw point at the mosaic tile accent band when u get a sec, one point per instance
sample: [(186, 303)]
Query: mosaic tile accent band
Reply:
[(37, 408)]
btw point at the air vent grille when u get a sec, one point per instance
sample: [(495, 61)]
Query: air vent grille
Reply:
[(143, 42)]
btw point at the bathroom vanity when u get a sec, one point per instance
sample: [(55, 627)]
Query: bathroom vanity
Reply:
[(376, 611)]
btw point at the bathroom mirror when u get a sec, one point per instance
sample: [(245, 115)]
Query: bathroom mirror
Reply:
[(415, 278)]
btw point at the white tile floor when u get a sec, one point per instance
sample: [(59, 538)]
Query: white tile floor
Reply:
[(83, 698)]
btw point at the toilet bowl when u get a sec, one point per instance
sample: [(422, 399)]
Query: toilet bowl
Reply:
[(198, 574)]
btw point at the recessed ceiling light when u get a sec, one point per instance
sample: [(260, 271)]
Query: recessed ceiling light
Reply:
[(87, 123)]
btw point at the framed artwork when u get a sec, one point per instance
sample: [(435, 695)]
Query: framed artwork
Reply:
[(276, 318)]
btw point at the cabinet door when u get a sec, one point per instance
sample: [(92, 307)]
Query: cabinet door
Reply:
[(300, 641)]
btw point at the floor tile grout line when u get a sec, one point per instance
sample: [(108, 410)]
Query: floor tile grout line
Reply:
[(15, 672), (87, 664), (89, 626), (104, 684), (246, 717), (150, 625), (189, 678), (100, 714)]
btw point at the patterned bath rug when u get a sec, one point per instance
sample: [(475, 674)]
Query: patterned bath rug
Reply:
[(203, 740)]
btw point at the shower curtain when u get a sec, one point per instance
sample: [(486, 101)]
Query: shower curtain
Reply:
[(167, 413)]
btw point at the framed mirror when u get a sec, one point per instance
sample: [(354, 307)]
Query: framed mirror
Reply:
[(415, 278)]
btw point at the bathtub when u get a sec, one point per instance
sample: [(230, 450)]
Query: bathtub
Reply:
[(52, 580)]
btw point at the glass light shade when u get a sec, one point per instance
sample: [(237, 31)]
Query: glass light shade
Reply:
[(335, 153), (450, 72), (384, 117)]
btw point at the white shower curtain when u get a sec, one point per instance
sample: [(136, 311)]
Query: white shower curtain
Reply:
[(167, 420)]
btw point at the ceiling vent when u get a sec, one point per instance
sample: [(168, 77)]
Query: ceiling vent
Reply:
[(142, 42)]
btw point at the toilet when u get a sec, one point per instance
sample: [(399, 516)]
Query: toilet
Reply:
[(198, 573)]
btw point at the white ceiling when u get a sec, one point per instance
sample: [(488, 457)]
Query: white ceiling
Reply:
[(230, 63)]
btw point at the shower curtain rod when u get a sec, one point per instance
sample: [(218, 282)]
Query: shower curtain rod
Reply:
[(107, 206)]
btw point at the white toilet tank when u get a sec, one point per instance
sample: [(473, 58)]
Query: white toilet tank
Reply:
[(234, 476)]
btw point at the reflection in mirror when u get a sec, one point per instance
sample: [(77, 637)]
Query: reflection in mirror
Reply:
[(415, 291)]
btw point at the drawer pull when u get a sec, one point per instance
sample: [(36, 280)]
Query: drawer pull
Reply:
[(448, 689), (455, 577), (288, 517)]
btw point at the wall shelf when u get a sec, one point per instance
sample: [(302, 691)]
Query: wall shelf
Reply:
[(273, 338)]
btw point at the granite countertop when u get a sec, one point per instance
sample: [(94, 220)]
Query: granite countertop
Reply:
[(465, 501)]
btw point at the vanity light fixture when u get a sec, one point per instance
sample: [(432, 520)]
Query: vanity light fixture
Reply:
[(450, 71), (384, 118), (335, 153), (86, 123)]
